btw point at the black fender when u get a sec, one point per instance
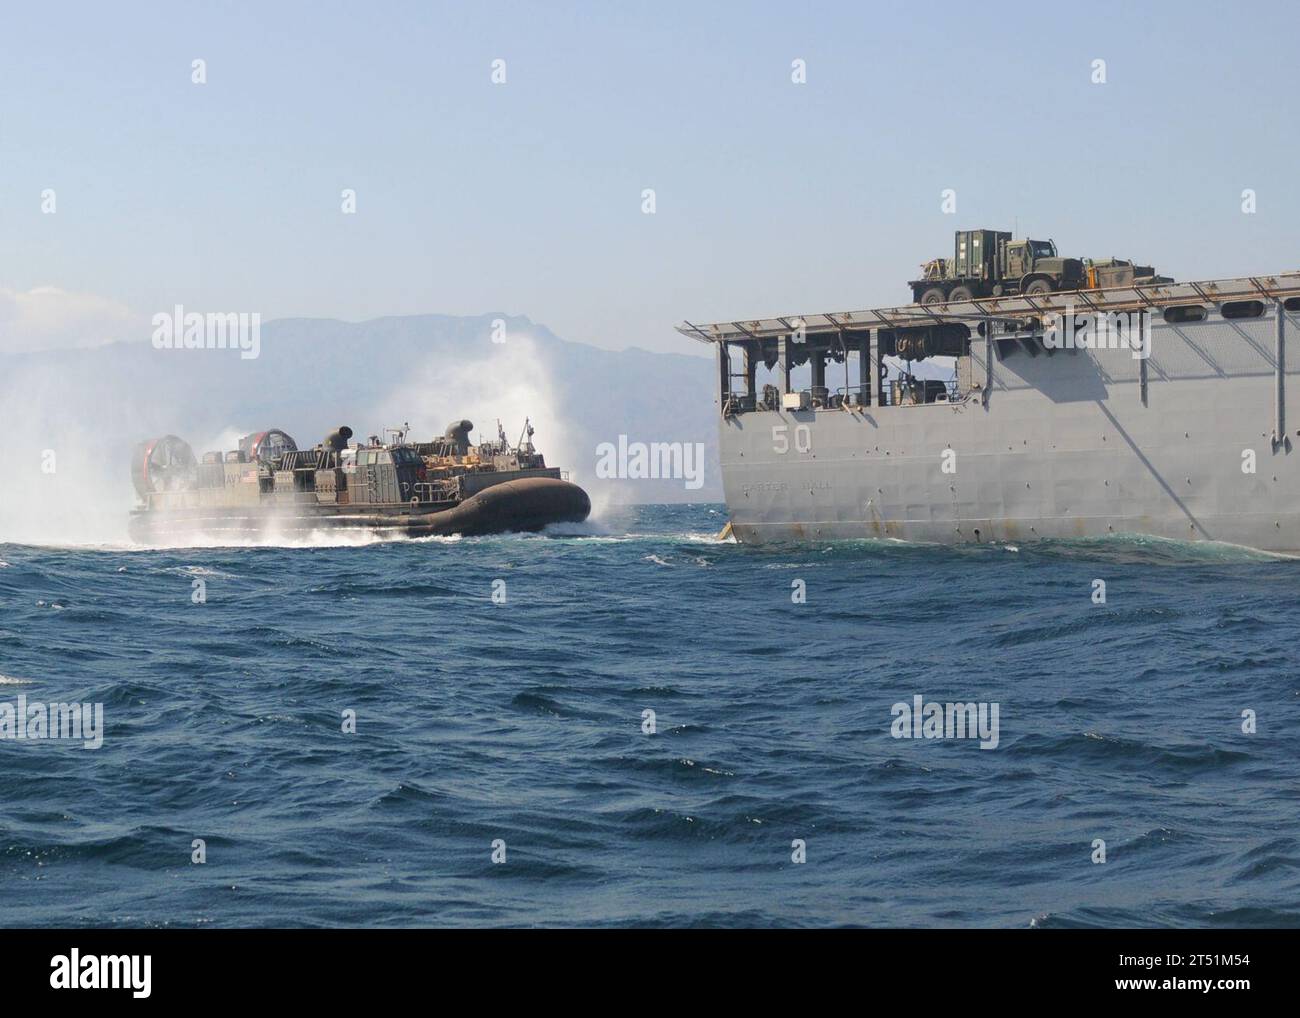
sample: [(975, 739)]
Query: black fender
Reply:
[(526, 504)]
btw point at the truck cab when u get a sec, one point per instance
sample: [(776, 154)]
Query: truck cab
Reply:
[(1024, 255), (1033, 266)]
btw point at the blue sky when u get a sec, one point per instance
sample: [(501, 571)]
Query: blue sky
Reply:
[(525, 197)]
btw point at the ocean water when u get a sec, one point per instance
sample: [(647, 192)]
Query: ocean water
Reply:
[(481, 723)]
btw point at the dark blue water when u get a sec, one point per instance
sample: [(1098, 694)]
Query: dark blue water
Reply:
[(523, 722)]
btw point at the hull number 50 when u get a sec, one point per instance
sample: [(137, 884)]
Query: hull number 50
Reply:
[(781, 438)]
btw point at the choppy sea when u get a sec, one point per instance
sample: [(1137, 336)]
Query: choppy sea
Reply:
[(503, 769)]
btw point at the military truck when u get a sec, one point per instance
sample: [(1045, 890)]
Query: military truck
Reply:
[(988, 263)]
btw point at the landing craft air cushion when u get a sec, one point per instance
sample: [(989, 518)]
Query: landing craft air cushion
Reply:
[(269, 485)]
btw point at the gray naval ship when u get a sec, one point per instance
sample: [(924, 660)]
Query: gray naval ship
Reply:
[(1151, 408), (447, 486)]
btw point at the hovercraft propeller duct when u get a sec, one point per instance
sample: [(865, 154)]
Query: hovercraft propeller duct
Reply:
[(163, 464)]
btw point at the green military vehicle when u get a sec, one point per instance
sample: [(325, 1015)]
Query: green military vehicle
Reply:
[(988, 263)]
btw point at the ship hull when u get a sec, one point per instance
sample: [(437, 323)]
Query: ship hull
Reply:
[(1076, 444), (524, 505)]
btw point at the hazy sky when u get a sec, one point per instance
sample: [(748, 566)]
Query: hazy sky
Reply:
[(526, 197)]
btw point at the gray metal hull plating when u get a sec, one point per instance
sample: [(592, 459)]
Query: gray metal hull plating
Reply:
[(1067, 445)]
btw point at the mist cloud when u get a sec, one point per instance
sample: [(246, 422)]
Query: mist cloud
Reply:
[(50, 318)]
